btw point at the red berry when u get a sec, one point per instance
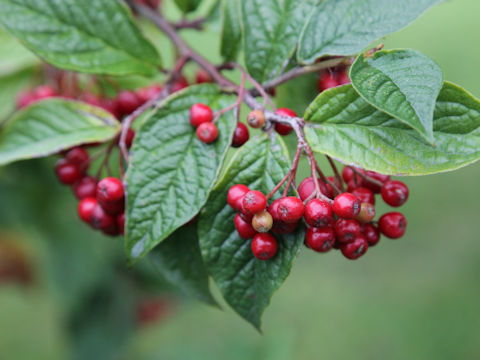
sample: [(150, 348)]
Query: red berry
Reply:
[(244, 229), (202, 77), (367, 213), (45, 92), (129, 138), (254, 202), (180, 84), (92, 99), (364, 195), (199, 114), (264, 246), (99, 219), (327, 81), (320, 239), (288, 209), (355, 249), (235, 196), (67, 172), (349, 176), (149, 92), (128, 101), (85, 187), (347, 230), (240, 136), (78, 156), (284, 129), (256, 119), (343, 78), (207, 132), (346, 205), (262, 221), (318, 213), (111, 105), (121, 223), (371, 233), (25, 98), (307, 187), (379, 177), (392, 225), (113, 208), (110, 190), (85, 208), (395, 193)]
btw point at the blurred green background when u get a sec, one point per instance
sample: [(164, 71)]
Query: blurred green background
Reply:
[(415, 298)]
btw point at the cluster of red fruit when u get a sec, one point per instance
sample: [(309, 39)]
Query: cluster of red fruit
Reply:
[(101, 203), (333, 77), (344, 223)]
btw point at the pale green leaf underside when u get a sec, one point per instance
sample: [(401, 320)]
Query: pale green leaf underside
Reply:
[(231, 30), (271, 30), (344, 126), (403, 83), (14, 57), (53, 125), (247, 284), (171, 172), (95, 36), (346, 27), (179, 261)]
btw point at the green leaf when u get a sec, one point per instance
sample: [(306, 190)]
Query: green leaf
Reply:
[(187, 5), (346, 27), (402, 83), (10, 86), (231, 30), (171, 172), (50, 126), (179, 261), (247, 284), (14, 57), (81, 35), (349, 129), (271, 29)]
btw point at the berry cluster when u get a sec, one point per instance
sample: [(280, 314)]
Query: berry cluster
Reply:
[(343, 222), (101, 203), (333, 77), (256, 120), (202, 118)]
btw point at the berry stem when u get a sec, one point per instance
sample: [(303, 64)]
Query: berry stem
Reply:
[(335, 170), (293, 170), (366, 177)]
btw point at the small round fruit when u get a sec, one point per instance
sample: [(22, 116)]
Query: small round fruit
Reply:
[(284, 129), (262, 221), (364, 195), (149, 92), (288, 209), (350, 176), (395, 193), (377, 176), (343, 78), (85, 187), (346, 205), (127, 102), (254, 202), (110, 190), (199, 114), (202, 77), (371, 233), (67, 173), (256, 119), (113, 208), (347, 230), (121, 223), (99, 219), (207, 132), (244, 229), (327, 81), (356, 248), (264, 246), (45, 92), (320, 239), (25, 98), (235, 195), (240, 136), (392, 225), (367, 213), (180, 84), (318, 213), (85, 208), (78, 156)]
